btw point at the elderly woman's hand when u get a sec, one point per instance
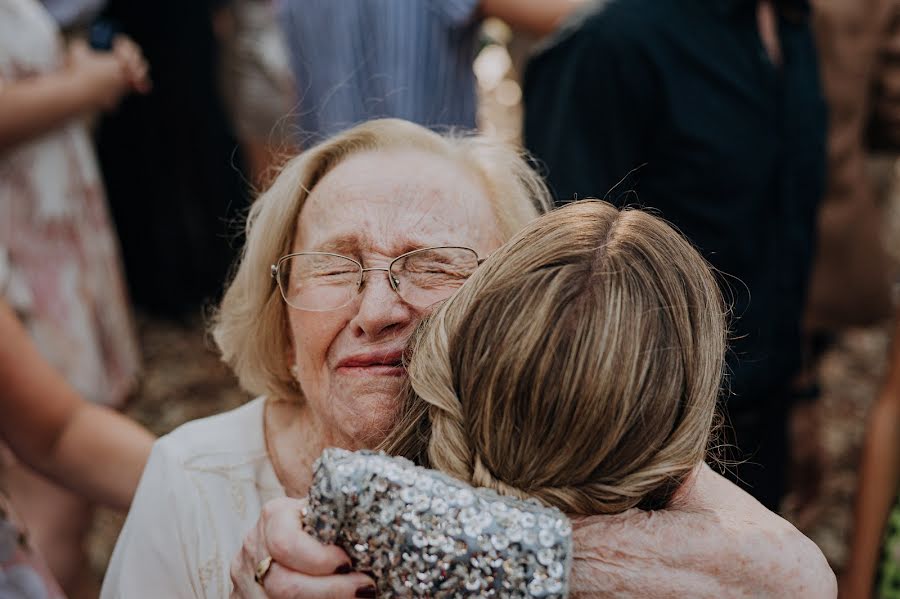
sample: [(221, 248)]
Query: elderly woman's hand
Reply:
[(300, 566)]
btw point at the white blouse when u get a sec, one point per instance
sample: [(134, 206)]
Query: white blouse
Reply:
[(201, 492)]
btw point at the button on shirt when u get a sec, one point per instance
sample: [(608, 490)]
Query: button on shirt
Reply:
[(356, 60), (728, 146)]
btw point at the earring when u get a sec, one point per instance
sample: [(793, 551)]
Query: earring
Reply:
[(295, 372)]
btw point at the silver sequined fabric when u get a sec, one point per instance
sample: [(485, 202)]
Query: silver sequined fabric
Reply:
[(422, 533)]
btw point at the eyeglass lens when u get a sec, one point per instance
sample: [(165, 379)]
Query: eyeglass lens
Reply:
[(321, 282)]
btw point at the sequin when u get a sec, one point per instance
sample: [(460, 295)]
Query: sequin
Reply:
[(424, 534)]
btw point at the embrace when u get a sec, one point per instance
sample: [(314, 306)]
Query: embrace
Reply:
[(413, 292)]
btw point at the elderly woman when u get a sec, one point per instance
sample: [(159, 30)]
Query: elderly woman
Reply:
[(580, 366), (363, 234)]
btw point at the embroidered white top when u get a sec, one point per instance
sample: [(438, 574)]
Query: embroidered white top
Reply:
[(201, 491)]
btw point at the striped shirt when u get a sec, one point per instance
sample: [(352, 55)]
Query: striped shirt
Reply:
[(355, 60)]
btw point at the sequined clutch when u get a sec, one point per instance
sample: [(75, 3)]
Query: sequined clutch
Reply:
[(421, 533)]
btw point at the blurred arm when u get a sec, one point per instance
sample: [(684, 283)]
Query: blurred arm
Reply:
[(878, 483), (92, 450), (31, 107), (714, 541), (90, 81), (539, 17)]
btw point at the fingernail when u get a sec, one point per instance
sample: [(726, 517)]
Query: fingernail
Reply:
[(344, 569), (367, 591)]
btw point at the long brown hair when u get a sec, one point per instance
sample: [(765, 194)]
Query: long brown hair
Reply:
[(580, 365)]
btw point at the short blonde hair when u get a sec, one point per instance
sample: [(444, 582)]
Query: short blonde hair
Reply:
[(250, 327), (580, 365)]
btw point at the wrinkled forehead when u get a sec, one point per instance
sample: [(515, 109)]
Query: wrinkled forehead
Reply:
[(394, 202)]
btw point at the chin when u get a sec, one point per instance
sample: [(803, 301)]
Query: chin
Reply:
[(367, 435), (368, 419)]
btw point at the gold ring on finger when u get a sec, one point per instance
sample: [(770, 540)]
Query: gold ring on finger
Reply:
[(262, 568)]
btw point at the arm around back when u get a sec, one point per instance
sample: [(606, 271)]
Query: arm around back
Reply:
[(716, 541)]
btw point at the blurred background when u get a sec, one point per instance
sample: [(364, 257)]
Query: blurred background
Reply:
[(181, 163)]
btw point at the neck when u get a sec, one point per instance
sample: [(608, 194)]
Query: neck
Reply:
[(295, 438), (682, 496)]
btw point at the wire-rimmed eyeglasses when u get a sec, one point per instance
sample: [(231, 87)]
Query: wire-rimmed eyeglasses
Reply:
[(322, 281)]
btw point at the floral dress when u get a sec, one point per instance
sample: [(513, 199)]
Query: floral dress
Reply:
[(59, 258), (23, 575)]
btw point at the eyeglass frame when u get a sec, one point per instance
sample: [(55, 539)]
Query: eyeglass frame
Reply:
[(274, 270)]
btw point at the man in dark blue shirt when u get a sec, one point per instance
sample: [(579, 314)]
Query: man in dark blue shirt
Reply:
[(715, 109)]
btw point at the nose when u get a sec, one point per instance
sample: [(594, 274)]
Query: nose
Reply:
[(381, 311)]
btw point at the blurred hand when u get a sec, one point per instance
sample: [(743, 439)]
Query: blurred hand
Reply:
[(101, 74), (302, 567), (108, 76), (132, 59)]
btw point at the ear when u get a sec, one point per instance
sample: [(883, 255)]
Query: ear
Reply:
[(289, 360), (290, 354)]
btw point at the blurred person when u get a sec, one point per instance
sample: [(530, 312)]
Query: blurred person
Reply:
[(89, 449), (171, 162), (355, 61), (851, 275), (873, 566), (712, 111), (59, 262), (859, 44), (257, 83), (850, 282), (570, 309)]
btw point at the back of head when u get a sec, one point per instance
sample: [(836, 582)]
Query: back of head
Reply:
[(580, 365)]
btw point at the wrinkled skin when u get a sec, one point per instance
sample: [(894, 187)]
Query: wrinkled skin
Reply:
[(373, 207), (715, 541)]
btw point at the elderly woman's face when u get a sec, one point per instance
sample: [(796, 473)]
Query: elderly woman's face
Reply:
[(373, 207)]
